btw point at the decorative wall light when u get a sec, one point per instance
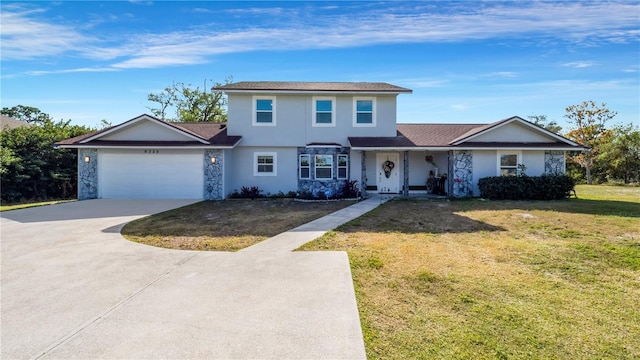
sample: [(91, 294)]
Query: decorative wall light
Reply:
[(213, 159), (87, 159)]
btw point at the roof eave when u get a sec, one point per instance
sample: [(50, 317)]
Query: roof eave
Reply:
[(325, 92), (173, 147), (142, 117)]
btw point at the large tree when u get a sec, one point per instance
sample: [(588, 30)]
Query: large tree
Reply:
[(543, 122), (191, 104), (31, 167), (620, 156), (28, 114), (589, 120)]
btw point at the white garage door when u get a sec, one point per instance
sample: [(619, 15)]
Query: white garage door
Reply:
[(165, 174)]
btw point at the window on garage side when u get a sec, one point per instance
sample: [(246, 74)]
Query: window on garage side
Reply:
[(265, 164), (324, 167), (508, 163), (305, 166), (343, 164)]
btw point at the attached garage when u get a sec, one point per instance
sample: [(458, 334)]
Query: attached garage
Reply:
[(150, 174), (148, 158)]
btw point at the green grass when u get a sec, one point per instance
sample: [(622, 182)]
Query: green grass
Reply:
[(475, 279), (30, 204)]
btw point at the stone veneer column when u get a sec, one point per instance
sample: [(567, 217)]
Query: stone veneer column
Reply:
[(462, 173), (554, 162), (213, 175), (87, 174)]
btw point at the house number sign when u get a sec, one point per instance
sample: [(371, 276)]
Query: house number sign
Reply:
[(152, 151)]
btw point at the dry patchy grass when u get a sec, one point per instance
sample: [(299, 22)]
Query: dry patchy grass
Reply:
[(495, 280), (26, 205), (225, 225)]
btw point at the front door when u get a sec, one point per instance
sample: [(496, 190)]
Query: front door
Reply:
[(388, 170)]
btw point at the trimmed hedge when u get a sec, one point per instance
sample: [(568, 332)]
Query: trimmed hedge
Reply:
[(545, 187)]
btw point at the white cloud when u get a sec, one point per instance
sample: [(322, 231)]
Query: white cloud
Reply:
[(25, 36), (67, 71), (503, 74), (580, 64)]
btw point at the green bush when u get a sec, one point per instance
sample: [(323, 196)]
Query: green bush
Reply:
[(545, 187)]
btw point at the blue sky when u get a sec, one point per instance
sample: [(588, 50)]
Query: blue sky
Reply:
[(466, 62)]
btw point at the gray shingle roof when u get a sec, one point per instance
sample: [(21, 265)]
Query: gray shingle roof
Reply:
[(10, 123), (448, 135), (295, 86), (213, 133)]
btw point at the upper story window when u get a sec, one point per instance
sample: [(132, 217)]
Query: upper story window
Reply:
[(324, 167), (364, 112), (264, 111), (508, 163), (323, 111), (265, 164)]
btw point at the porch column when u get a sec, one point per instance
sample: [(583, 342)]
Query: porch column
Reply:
[(363, 174), (405, 187)]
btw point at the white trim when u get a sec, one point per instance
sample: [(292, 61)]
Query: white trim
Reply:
[(355, 111), (324, 146), (427, 148), (523, 122), (300, 166), (138, 119), (254, 120), (315, 167), (338, 167), (333, 111), (255, 164), (507, 152), (144, 146), (327, 92)]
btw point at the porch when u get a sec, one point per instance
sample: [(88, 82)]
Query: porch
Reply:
[(408, 173)]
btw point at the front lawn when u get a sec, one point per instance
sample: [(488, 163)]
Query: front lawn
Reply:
[(472, 279), (228, 225)]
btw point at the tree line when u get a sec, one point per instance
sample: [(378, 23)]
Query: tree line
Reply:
[(30, 167), (613, 153)]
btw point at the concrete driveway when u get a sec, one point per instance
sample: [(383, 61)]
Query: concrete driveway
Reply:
[(72, 287)]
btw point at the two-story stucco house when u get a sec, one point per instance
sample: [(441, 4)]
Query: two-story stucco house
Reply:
[(308, 137)]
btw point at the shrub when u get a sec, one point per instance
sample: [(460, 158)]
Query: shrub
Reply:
[(350, 190), (545, 187), (247, 192)]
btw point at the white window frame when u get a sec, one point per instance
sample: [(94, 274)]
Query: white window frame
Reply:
[(315, 167), (254, 115), (308, 167), (256, 156), (373, 112), (345, 167), (314, 122), (518, 161)]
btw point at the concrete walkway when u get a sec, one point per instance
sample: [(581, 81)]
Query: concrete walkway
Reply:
[(72, 287), (294, 238)]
